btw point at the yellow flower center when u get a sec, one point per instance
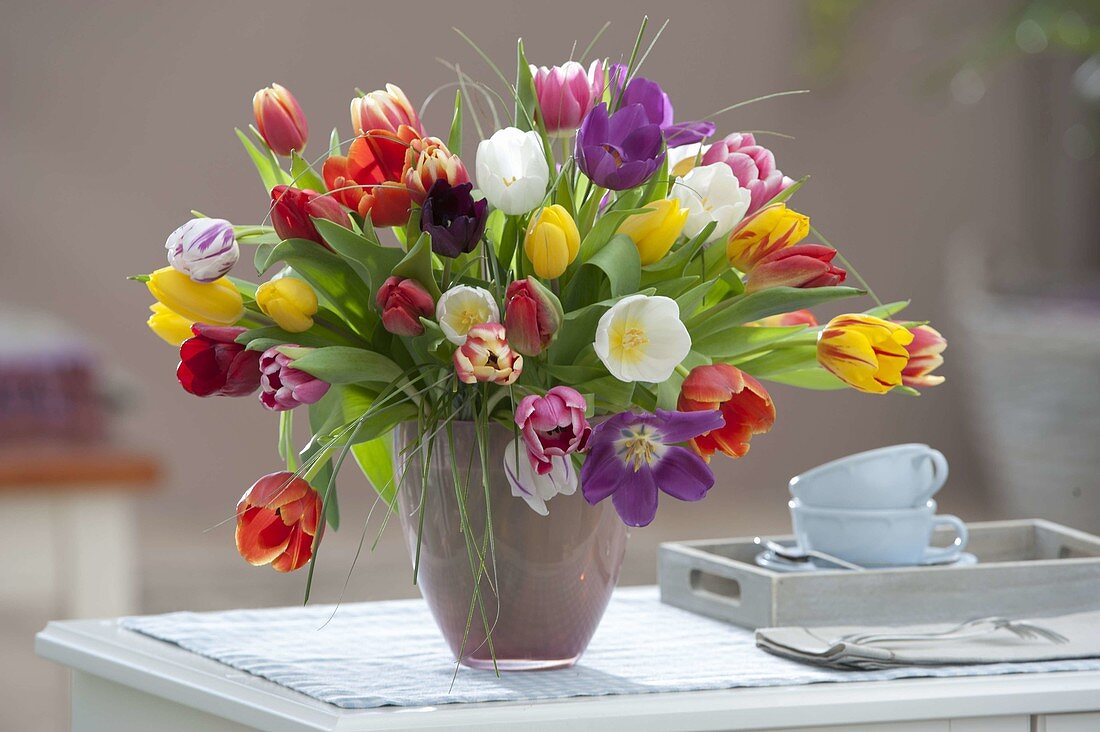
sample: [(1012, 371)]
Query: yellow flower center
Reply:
[(633, 338), (639, 447)]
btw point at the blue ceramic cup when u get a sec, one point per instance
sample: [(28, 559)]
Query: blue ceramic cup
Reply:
[(899, 476), (877, 538)]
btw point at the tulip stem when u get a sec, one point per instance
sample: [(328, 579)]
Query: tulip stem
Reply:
[(847, 265), (682, 370)]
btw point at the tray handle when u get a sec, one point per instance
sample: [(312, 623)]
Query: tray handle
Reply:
[(715, 587)]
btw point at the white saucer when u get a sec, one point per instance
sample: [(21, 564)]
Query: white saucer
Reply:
[(768, 560)]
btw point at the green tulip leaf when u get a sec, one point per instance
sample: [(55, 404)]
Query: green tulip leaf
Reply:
[(344, 365), (303, 175), (817, 379), (756, 305), (741, 339), (417, 265)]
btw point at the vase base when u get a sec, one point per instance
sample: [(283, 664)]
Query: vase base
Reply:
[(519, 664)]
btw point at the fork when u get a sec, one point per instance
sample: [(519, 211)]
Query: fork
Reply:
[(1026, 631)]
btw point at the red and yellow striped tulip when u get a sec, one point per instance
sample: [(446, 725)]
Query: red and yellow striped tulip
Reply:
[(865, 352), (925, 356), (767, 231)]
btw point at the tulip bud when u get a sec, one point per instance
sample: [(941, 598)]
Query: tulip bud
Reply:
[(212, 363), (384, 110), (293, 211), (655, 231), (278, 519), (289, 301), (486, 356), (403, 303), (428, 160), (172, 327), (803, 265), (865, 352), (566, 94), (280, 120), (925, 356), (203, 249), (532, 316), (213, 303), (796, 317), (552, 241), (768, 230), (284, 387), (512, 171)]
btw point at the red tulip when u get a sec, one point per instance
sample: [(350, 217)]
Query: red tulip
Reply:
[(212, 363), (368, 180), (277, 521), (280, 120), (803, 265), (743, 402), (532, 316), (292, 211), (403, 302)]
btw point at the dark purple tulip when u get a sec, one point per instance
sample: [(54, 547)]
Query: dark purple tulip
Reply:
[(633, 455), (658, 108), (453, 218), (621, 151)]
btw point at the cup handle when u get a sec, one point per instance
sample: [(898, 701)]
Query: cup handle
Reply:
[(939, 469), (962, 536)]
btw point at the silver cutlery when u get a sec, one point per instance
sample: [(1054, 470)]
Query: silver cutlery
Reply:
[(799, 555), (963, 631)]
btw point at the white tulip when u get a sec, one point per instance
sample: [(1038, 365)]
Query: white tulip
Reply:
[(681, 159), (512, 171), (203, 249), (537, 489), (461, 308), (641, 338), (711, 193)]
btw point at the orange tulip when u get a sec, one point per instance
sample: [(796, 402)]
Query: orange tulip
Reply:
[(277, 521), (368, 179), (743, 402)]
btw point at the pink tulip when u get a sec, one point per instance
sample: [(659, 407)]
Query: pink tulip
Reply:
[(566, 94), (532, 316), (553, 426), (403, 302), (753, 165), (803, 265), (280, 120), (384, 110)]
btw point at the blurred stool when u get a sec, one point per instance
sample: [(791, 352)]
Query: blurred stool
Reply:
[(69, 519)]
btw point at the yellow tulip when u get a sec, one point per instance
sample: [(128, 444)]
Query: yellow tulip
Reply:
[(290, 302), (767, 231), (865, 352), (552, 241), (214, 303), (655, 231), (169, 325)]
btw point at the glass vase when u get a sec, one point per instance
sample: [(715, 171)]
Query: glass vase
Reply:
[(546, 580)]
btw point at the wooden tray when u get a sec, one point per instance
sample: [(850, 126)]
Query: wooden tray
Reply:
[(1030, 568)]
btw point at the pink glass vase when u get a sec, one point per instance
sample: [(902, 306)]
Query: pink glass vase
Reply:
[(548, 579)]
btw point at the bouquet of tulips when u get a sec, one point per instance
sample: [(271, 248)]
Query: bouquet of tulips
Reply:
[(613, 285)]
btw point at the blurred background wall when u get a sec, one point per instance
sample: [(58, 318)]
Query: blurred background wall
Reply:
[(116, 120)]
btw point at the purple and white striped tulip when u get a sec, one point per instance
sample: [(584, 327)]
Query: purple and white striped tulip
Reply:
[(203, 249), (284, 387)]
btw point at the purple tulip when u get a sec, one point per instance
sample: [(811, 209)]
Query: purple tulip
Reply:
[(633, 455), (284, 387), (658, 108), (619, 151), (453, 218)]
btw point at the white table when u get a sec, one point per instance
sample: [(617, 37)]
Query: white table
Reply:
[(126, 682)]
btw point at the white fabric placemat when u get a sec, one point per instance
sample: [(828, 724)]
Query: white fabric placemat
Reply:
[(390, 653)]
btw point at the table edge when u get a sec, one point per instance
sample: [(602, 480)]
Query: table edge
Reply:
[(102, 648)]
